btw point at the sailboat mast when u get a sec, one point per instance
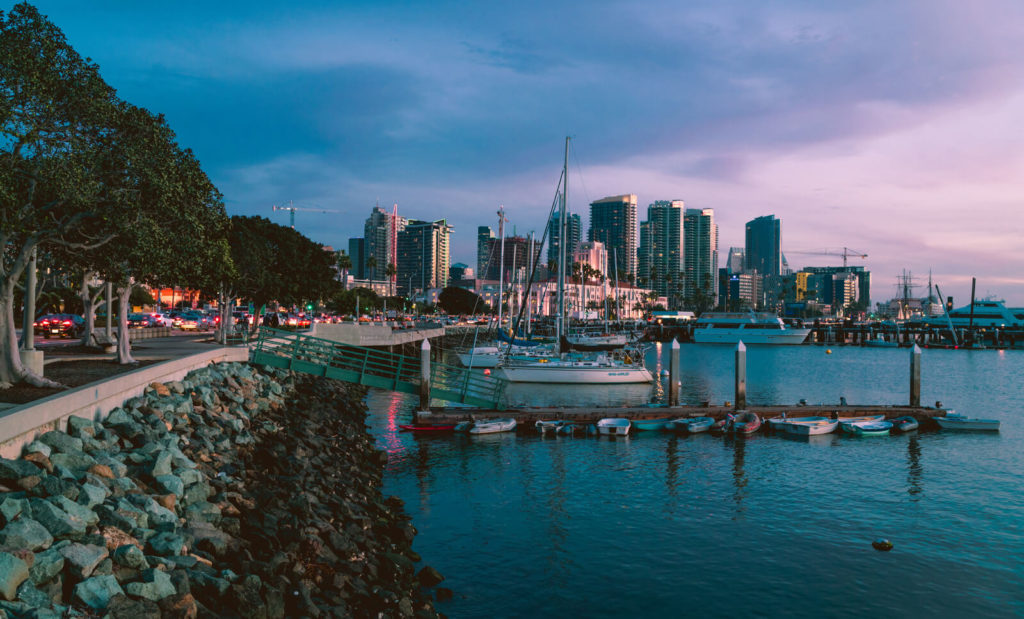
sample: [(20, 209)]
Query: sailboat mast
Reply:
[(529, 302), (559, 327), (615, 263), (501, 260)]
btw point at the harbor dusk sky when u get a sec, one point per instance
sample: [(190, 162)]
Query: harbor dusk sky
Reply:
[(889, 128)]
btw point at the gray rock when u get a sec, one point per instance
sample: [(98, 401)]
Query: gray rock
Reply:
[(28, 593), (159, 516), (155, 585), (13, 470), (46, 566), (81, 427), (55, 486), (124, 484), (75, 510), (58, 522), (190, 477), (166, 544), (118, 468), (196, 493), (209, 538), (76, 462), (26, 533), (161, 463), (130, 556), (203, 510), (11, 508), (13, 572), (429, 576), (96, 592), (37, 447), (92, 495), (61, 442), (117, 417), (171, 484), (123, 607), (82, 559), (122, 515)]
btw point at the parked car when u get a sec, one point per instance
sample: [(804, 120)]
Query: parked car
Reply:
[(140, 321), (161, 320), (59, 325)]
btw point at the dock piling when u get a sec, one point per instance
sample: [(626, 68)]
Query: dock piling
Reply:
[(673, 373), (915, 376), (741, 377), (425, 375)]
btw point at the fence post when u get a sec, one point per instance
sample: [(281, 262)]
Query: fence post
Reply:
[(741, 376), (425, 375), (915, 376), (673, 373)]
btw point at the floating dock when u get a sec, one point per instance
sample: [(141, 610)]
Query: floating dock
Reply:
[(528, 416)]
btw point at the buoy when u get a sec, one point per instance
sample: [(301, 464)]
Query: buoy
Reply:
[(828, 351), (882, 544), (487, 371)]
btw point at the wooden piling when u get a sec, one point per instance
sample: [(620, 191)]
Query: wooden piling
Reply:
[(915, 376), (741, 377), (673, 373), (425, 375)]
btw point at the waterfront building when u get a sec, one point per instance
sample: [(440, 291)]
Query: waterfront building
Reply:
[(357, 252), (763, 252), (613, 221), (424, 256), (574, 231), (821, 285), (739, 291), (517, 252), (380, 233), (700, 257), (594, 254), (483, 235), (661, 246)]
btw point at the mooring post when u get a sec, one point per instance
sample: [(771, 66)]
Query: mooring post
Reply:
[(425, 375), (741, 377), (915, 376), (673, 373)]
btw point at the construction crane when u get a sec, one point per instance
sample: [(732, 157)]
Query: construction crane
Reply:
[(292, 210), (846, 254)]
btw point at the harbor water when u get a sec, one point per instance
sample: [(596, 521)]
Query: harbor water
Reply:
[(665, 525)]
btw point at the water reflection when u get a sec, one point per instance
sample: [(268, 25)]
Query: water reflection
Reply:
[(915, 488), (672, 470), (739, 475)]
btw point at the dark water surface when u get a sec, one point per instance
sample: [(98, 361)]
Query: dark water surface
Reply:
[(663, 525)]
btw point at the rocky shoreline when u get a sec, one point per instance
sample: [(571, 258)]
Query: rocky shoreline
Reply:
[(235, 492)]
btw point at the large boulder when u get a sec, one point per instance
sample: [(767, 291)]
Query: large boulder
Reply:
[(26, 533), (58, 522), (13, 572), (83, 559), (155, 585), (97, 591), (47, 565), (61, 442)]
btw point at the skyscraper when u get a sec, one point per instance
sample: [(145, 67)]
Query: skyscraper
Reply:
[(735, 260), (517, 252), (660, 258), (357, 253), (483, 235), (424, 256), (381, 236), (763, 246), (700, 261), (574, 232), (613, 222)]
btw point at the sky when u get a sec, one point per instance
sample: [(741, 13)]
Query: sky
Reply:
[(891, 128)]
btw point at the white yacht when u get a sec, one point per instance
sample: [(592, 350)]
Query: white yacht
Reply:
[(491, 356), (987, 313), (600, 370), (751, 327)]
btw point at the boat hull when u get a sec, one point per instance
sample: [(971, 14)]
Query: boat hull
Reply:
[(904, 424), (613, 426), (434, 428), (750, 336), (493, 426), (811, 428), (691, 425), (967, 423), (575, 375), (650, 424)]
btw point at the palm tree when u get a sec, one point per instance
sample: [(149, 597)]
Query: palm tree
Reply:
[(389, 272), (344, 264), (371, 264)]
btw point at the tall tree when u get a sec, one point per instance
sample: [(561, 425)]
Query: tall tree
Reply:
[(344, 264), (56, 116)]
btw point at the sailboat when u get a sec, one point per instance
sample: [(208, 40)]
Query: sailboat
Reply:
[(600, 369)]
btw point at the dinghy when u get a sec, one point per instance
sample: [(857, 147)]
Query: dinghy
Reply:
[(870, 428), (904, 424), (692, 425), (545, 426), (428, 428), (613, 426), (743, 423), (779, 423), (812, 428), (846, 422), (953, 421), (650, 424), (492, 426)]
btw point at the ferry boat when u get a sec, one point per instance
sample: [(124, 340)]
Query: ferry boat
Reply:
[(751, 327), (987, 313)]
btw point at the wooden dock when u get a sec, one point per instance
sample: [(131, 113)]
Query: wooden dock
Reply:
[(527, 416)]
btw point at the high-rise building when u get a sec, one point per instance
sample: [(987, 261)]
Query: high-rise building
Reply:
[(820, 285), (613, 222), (517, 251), (574, 232), (763, 246), (594, 254), (700, 255), (660, 257), (735, 260), (424, 256), (380, 234), (357, 253), (483, 235)]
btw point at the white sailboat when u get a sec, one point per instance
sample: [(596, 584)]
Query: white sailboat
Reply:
[(601, 369)]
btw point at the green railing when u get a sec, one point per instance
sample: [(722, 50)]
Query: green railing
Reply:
[(373, 368)]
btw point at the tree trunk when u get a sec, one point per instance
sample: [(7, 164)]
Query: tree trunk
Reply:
[(11, 369), (124, 345), (88, 310)]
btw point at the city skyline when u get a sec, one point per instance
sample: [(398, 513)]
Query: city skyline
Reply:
[(885, 129)]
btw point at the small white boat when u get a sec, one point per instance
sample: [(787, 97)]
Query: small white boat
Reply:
[(544, 426), (811, 428), (869, 428), (492, 426), (846, 423), (692, 425), (953, 421), (779, 423), (613, 426)]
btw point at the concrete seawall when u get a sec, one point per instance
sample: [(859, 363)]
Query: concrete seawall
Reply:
[(19, 425)]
